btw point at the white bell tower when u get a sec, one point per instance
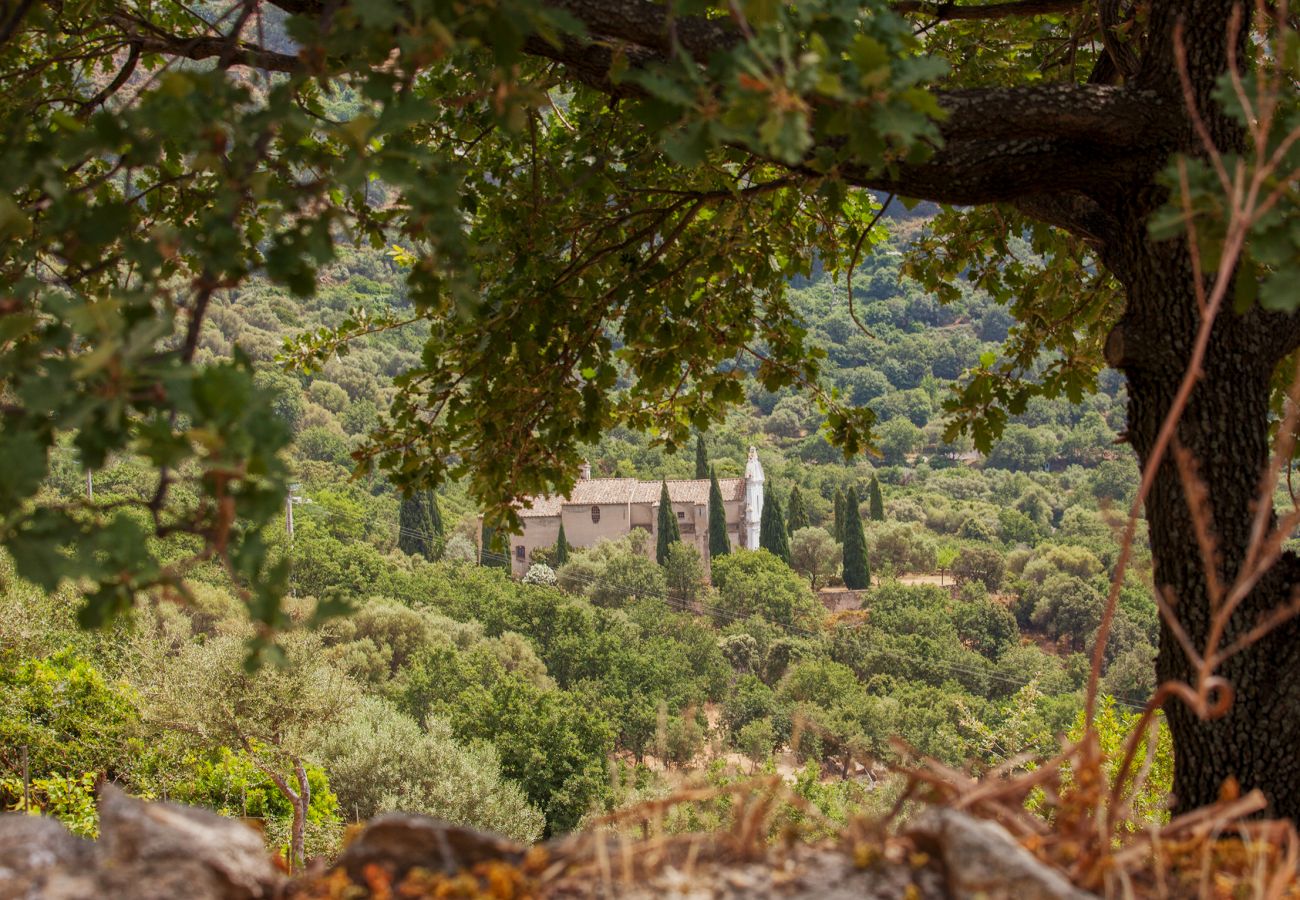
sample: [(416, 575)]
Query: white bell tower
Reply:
[(753, 499)]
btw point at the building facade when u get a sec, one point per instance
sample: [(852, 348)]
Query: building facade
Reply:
[(609, 508)]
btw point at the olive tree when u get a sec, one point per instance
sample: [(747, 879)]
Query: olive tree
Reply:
[(277, 714), (604, 260), (815, 555)]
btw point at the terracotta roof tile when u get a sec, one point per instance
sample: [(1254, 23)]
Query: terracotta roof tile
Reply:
[(629, 490)]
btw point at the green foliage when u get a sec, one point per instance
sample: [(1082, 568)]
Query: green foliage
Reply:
[(556, 747), (719, 541), (756, 583), (684, 573), (1066, 607), (815, 555), (798, 517), (381, 760), (857, 572), (1114, 727), (904, 547), (70, 718), (494, 550), (482, 272), (231, 783), (68, 798), (667, 532), (981, 564), (615, 573), (875, 500), (419, 523), (701, 459), (986, 626), (561, 547), (757, 740), (772, 535)]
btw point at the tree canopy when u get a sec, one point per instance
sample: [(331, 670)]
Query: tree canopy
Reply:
[(600, 204)]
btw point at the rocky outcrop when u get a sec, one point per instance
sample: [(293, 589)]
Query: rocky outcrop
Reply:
[(146, 851), (38, 853), (400, 842), (984, 862), (152, 851)]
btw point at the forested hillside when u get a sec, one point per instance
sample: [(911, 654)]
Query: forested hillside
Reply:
[(530, 707)]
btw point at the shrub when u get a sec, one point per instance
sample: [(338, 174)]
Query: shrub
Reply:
[(980, 564)]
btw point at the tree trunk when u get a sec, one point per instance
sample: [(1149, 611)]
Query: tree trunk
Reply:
[(1225, 429), (301, 802)]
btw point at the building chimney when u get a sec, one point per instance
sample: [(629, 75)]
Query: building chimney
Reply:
[(584, 471)]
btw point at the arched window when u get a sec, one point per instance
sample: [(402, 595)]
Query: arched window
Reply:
[(595, 514)]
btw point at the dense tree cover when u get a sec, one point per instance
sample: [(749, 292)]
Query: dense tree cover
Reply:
[(696, 168), (614, 649), (469, 685)]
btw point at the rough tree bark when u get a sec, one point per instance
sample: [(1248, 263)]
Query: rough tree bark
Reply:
[(1042, 150), (1225, 430), (299, 801)]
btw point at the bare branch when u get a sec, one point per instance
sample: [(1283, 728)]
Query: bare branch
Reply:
[(950, 12)]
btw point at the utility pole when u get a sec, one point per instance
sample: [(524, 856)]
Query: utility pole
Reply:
[(289, 501)]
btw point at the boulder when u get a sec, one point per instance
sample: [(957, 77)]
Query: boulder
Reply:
[(982, 860), (399, 842), (166, 850), (36, 853)]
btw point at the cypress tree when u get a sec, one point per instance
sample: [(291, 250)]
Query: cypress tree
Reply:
[(839, 515), (771, 527), (419, 525), (876, 500), (857, 572), (668, 531), (701, 459), (561, 548), (490, 554), (719, 543), (798, 517)]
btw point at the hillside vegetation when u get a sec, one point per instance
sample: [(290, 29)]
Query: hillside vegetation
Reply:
[(529, 708)]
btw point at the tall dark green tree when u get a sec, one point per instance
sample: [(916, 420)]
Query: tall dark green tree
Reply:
[(493, 551), (876, 500), (669, 533), (857, 571), (986, 117), (701, 459), (798, 516), (772, 536), (839, 515), (419, 525), (561, 548), (719, 542)]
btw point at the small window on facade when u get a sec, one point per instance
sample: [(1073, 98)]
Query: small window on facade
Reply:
[(681, 515), (519, 552), (595, 514)]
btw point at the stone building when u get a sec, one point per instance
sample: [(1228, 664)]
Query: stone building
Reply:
[(599, 508)]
